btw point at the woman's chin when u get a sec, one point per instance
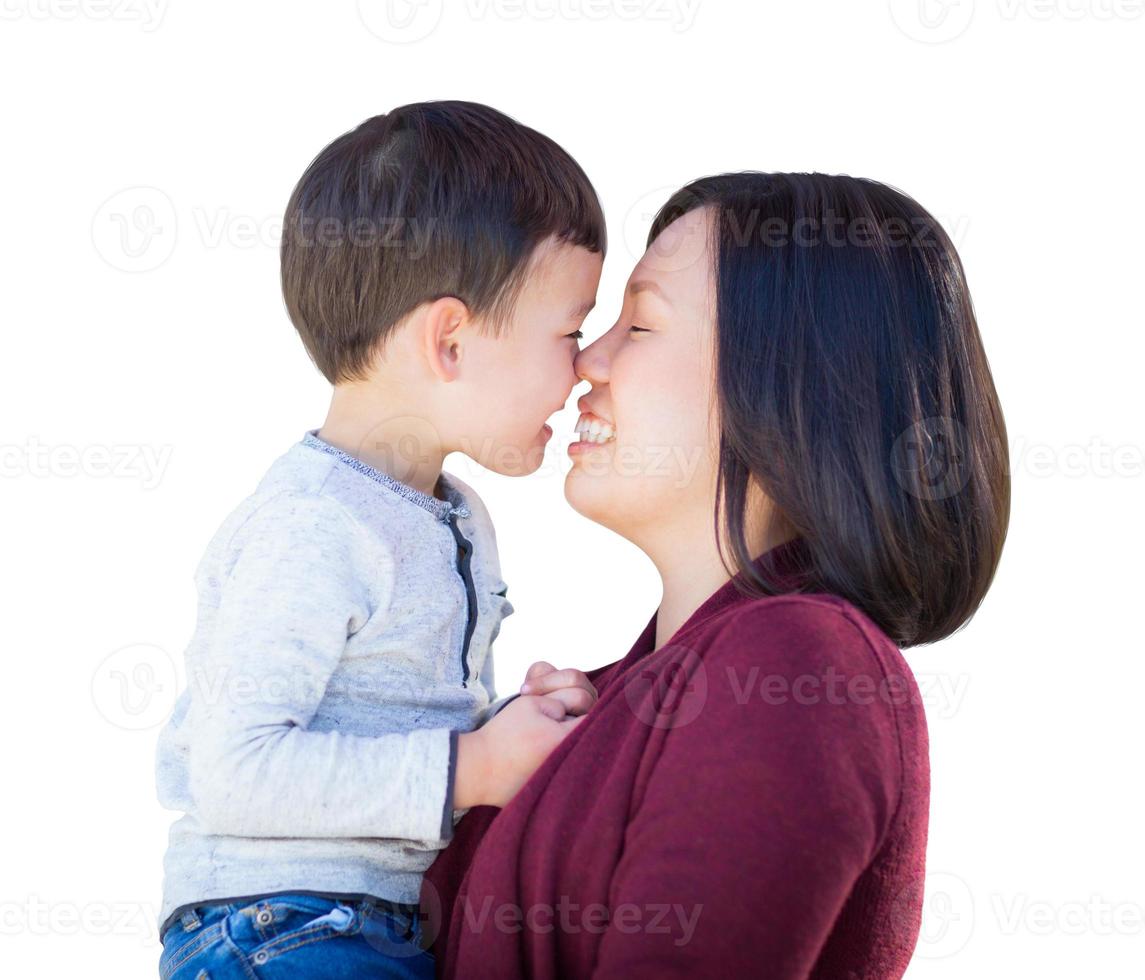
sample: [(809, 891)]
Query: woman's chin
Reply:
[(588, 493)]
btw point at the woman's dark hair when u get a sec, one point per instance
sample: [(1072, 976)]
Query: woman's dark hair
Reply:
[(428, 200), (853, 389)]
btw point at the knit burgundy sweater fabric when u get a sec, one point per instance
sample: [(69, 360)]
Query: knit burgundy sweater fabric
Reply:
[(749, 800)]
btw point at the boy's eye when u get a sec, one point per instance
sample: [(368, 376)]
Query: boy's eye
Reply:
[(639, 329)]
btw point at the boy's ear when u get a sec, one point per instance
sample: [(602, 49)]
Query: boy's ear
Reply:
[(443, 331)]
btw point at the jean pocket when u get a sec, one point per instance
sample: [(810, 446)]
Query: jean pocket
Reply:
[(393, 934), (181, 946)]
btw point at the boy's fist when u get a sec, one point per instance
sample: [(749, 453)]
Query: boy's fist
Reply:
[(571, 687), (497, 759)]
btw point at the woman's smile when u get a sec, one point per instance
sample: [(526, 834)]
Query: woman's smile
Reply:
[(593, 431)]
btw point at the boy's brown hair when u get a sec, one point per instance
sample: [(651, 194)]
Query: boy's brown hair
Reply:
[(429, 200)]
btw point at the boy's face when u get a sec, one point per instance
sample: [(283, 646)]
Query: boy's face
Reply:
[(515, 382)]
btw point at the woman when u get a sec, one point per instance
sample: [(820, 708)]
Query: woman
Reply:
[(796, 422)]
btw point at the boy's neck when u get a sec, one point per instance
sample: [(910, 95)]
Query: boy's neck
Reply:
[(391, 438)]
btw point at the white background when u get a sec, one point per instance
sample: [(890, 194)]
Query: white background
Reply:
[(150, 375)]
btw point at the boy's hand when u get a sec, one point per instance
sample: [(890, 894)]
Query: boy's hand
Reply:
[(571, 687), (497, 759)]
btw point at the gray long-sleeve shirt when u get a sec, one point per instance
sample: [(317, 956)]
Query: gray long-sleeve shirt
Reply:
[(341, 645)]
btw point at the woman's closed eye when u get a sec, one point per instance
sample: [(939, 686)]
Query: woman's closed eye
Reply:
[(576, 334), (637, 329)]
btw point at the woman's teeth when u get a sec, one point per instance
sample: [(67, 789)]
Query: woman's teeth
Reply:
[(594, 430)]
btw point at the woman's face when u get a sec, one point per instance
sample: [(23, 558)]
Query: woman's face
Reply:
[(652, 389)]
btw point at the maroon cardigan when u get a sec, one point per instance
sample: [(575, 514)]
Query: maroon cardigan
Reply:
[(751, 799)]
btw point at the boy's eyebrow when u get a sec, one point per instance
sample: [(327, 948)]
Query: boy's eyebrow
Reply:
[(583, 310)]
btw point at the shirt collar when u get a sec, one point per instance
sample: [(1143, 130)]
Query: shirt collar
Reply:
[(454, 506), (785, 564)]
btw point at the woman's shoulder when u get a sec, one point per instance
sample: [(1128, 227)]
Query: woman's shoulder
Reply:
[(817, 646), (803, 629), (805, 688)]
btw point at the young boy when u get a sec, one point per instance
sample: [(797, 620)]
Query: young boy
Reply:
[(437, 262)]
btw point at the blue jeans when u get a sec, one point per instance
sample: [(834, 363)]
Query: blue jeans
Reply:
[(294, 936)]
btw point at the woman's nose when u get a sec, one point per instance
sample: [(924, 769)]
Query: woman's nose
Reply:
[(591, 363)]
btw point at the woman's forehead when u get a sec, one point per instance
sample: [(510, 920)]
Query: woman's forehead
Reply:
[(677, 267)]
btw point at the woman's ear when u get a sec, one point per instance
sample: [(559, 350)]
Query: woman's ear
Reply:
[(443, 335)]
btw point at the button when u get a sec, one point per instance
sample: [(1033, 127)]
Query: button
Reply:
[(264, 917), (261, 957)]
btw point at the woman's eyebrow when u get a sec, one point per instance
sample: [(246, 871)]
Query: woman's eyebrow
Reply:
[(647, 285)]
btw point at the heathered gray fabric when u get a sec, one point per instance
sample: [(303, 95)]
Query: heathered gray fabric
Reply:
[(311, 749)]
